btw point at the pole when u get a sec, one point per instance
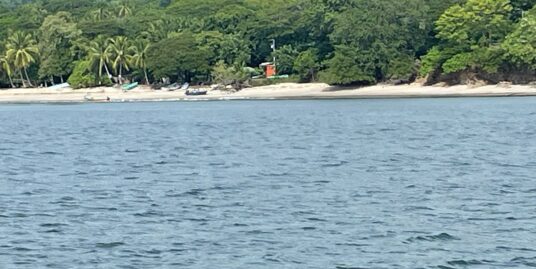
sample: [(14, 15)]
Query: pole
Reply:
[(273, 48), (273, 52)]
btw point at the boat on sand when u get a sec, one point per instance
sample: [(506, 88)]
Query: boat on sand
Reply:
[(196, 92), (128, 87)]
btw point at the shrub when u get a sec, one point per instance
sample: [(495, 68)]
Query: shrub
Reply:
[(306, 65), (229, 75), (83, 77), (431, 62)]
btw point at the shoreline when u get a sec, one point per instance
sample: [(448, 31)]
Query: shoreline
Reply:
[(284, 91)]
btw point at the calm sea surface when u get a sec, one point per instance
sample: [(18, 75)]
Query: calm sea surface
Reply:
[(415, 183)]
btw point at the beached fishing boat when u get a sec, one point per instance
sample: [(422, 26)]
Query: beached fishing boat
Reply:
[(59, 86), (128, 87), (89, 98), (196, 92), (175, 87), (171, 87)]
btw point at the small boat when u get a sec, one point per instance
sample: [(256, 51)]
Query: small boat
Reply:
[(89, 98), (196, 92), (176, 87), (278, 77), (185, 86), (172, 87), (59, 86), (128, 87)]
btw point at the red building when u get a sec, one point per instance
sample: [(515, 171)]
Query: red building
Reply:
[(269, 69)]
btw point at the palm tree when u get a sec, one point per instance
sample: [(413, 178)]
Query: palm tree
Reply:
[(138, 57), (99, 55), (124, 9), (5, 66), (100, 14), (22, 51), (79, 47), (119, 48), (158, 30)]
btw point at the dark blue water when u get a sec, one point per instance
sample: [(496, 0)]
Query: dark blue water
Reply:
[(424, 183)]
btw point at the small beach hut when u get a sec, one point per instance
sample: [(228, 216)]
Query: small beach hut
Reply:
[(269, 69)]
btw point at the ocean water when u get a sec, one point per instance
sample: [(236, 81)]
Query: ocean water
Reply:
[(413, 183)]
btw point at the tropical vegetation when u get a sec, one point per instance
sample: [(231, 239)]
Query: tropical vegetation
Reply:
[(343, 42)]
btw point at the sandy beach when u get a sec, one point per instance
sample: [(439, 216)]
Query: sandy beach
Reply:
[(279, 91)]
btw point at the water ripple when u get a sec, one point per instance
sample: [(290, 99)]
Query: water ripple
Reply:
[(421, 183)]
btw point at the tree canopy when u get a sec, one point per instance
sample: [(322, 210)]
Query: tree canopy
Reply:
[(336, 41)]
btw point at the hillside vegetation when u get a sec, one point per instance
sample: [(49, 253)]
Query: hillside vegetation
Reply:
[(343, 42)]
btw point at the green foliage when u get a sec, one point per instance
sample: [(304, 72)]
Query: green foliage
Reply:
[(431, 61), (6, 69), (119, 48), (470, 35), (520, 45), (306, 65), (56, 34), (401, 67), (477, 22), (138, 57), (489, 59), (21, 52), (224, 74), (520, 6), (376, 44), (99, 55), (229, 48), (285, 57), (458, 62), (347, 67), (83, 76), (178, 57)]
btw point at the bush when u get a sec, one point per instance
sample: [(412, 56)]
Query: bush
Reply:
[(431, 62), (306, 65), (402, 67), (229, 75), (348, 67), (458, 62), (285, 57), (83, 77)]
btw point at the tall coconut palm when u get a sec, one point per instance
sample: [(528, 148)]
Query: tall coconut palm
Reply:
[(22, 51), (138, 57), (119, 48), (6, 68), (99, 55)]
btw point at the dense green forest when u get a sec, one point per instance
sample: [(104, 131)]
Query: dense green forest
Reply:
[(88, 42)]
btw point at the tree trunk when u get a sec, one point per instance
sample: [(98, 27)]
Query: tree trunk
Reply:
[(52, 80), (27, 77), (146, 77), (120, 74), (22, 79), (107, 71), (11, 81), (61, 79)]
